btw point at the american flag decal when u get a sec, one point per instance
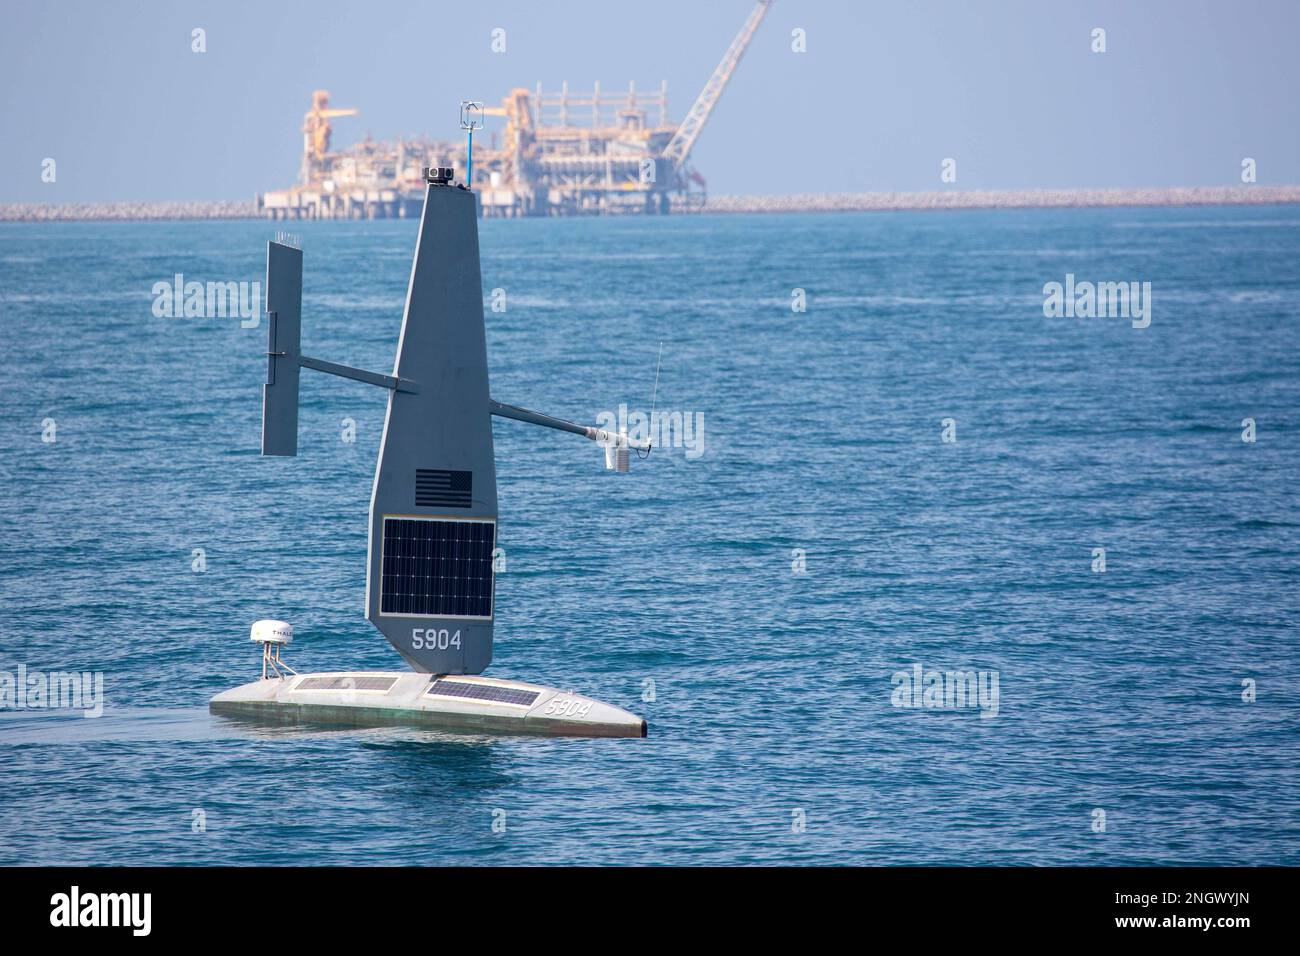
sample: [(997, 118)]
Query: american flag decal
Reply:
[(437, 488)]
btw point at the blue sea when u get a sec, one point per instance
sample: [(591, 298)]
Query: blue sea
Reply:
[(1146, 714)]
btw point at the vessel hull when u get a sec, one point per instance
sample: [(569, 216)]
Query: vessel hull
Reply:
[(455, 703)]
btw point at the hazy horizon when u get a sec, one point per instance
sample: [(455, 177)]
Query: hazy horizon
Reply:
[(883, 94)]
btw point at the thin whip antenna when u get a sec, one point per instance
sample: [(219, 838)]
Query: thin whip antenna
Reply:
[(654, 396)]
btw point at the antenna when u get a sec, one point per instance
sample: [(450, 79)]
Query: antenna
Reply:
[(273, 635), (654, 396), (471, 118)]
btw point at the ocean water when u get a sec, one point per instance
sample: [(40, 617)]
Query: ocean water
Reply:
[(774, 738)]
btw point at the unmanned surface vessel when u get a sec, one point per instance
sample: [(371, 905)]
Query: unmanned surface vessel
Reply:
[(430, 578)]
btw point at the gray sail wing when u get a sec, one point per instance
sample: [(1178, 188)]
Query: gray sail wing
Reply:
[(433, 508), (430, 575), (284, 319)]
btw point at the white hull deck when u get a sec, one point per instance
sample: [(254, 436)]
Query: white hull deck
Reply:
[(457, 703)]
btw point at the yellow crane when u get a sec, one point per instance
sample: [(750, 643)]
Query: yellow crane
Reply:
[(316, 131)]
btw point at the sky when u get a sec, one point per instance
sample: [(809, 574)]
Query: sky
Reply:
[(883, 93)]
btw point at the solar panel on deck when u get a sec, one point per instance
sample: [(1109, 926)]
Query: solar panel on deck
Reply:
[(346, 682), (500, 695), (437, 568)]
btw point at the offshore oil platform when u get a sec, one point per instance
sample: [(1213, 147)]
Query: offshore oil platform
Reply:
[(560, 154)]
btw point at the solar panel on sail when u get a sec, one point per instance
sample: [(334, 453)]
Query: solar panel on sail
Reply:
[(437, 568)]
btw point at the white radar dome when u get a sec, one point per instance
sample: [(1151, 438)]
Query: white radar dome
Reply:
[(272, 632)]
